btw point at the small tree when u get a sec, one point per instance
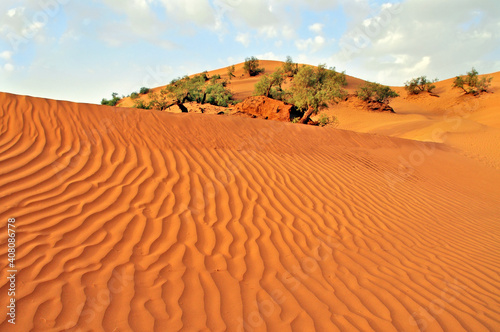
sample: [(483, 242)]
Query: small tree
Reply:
[(312, 88), (251, 66), (113, 101), (218, 94), (230, 72), (290, 68), (471, 83), (143, 90), (270, 85), (420, 84), (375, 92)]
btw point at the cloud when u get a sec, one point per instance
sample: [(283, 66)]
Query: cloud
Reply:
[(243, 38), (311, 44), (317, 28), (422, 37)]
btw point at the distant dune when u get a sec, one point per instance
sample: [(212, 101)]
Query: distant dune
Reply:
[(139, 220)]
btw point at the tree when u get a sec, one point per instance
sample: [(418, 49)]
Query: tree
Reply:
[(218, 94), (251, 66), (375, 92), (143, 90), (420, 84), (270, 85), (112, 102), (471, 83), (290, 68), (312, 88), (230, 72)]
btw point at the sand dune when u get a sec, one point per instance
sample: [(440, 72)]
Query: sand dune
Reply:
[(137, 220)]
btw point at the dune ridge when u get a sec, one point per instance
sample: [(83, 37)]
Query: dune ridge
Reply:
[(137, 220)]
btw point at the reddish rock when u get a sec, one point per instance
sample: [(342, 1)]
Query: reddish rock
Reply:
[(265, 108)]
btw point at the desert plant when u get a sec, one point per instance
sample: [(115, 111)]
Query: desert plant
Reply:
[(375, 92), (143, 90), (312, 88), (251, 66), (134, 95), (290, 68), (217, 94), (230, 71), (420, 84), (140, 104), (111, 102), (471, 83), (270, 85), (323, 120), (160, 100)]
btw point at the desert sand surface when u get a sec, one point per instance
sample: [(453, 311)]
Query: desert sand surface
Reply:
[(139, 220)]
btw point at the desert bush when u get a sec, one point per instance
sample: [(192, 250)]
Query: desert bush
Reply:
[(471, 83), (313, 88), (111, 102), (230, 71), (251, 66), (160, 100), (270, 85), (217, 94), (419, 84), (375, 92), (290, 69), (134, 95), (141, 104), (143, 90)]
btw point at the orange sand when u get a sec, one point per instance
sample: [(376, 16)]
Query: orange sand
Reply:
[(138, 220)]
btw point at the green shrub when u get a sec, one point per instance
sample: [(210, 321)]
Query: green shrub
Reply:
[(375, 92), (251, 66), (471, 83), (295, 120), (290, 69), (420, 84), (113, 101), (217, 94), (230, 71), (143, 90), (140, 104), (313, 88), (134, 95), (270, 85)]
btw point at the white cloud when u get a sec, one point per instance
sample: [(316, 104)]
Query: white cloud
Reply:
[(8, 67), (311, 44), (317, 28), (243, 38), (6, 55), (422, 37), (269, 56)]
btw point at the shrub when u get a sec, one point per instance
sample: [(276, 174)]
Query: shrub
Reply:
[(420, 84), (230, 71), (290, 69), (270, 85), (296, 120), (134, 95), (375, 92), (160, 101), (143, 90), (251, 66), (140, 104), (312, 88), (112, 102), (217, 94), (471, 83)]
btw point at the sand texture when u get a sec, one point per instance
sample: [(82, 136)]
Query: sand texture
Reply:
[(139, 220)]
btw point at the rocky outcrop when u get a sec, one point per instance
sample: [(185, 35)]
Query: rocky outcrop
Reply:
[(265, 108)]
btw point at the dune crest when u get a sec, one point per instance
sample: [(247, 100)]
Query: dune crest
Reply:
[(138, 220)]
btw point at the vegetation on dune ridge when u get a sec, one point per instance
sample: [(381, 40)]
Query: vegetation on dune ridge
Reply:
[(471, 83), (309, 89), (420, 84)]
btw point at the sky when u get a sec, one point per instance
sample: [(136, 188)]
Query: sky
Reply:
[(84, 50)]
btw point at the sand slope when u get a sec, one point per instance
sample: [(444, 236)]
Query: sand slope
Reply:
[(135, 220)]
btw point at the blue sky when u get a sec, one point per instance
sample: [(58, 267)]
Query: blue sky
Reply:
[(85, 50)]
